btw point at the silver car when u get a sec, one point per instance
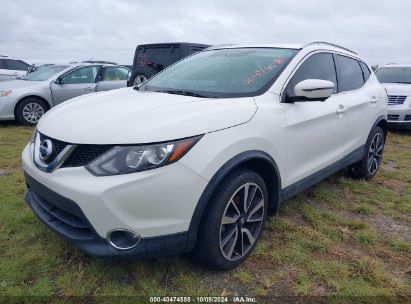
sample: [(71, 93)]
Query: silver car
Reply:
[(28, 98)]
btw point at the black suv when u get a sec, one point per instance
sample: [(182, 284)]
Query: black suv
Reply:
[(149, 59)]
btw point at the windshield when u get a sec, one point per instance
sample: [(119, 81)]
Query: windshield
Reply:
[(223, 73), (394, 75), (45, 72)]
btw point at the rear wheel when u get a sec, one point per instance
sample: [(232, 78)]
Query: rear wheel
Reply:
[(141, 75), (30, 110), (368, 166), (234, 221)]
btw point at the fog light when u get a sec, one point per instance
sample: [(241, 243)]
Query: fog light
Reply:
[(123, 239)]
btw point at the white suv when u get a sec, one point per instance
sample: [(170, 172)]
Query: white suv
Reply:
[(396, 78), (195, 157)]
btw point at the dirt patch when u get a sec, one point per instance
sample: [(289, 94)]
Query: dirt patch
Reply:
[(389, 166), (395, 185), (391, 227)]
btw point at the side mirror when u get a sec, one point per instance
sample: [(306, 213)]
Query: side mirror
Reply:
[(313, 89), (59, 81)]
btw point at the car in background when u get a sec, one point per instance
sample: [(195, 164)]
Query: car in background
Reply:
[(28, 98), (11, 68), (396, 79), (149, 59)]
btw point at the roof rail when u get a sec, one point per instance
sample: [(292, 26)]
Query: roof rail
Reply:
[(330, 44)]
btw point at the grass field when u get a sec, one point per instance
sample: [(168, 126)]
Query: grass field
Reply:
[(342, 237)]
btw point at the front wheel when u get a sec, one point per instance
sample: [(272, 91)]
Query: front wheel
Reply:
[(30, 110), (368, 166), (234, 221)]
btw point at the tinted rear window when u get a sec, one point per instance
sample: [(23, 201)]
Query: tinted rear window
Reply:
[(350, 74), (157, 57)]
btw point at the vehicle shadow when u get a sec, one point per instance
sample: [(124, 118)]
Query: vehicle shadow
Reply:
[(9, 123), (403, 132)]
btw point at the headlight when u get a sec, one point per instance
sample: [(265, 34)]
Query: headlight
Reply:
[(5, 93), (129, 159)]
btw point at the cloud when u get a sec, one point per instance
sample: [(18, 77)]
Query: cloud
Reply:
[(55, 31)]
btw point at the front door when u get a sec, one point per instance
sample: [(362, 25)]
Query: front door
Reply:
[(316, 130), (75, 83)]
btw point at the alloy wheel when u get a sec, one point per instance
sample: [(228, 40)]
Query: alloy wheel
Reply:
[(375, 153), (242, 221), (32, 112), (140, 79)]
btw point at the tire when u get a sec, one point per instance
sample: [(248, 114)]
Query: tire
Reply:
[(141, 74), (30, 110), (215, 248), (368, 166)]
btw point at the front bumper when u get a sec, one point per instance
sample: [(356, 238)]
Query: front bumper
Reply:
[(399, 117), (64, 217), (157, 204), (7, 105)]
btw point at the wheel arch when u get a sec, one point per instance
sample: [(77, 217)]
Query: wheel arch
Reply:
[(30, 96), (257, 161), (383, 124)]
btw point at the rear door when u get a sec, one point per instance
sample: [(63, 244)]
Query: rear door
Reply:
[(113, 77), (316, 130), (361, 98), (75, 83)]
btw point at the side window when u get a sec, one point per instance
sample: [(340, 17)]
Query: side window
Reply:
[(115, 73), (365, 70), (349, 74), (1, 64), (16, 65), (82, 75), (318, 66)]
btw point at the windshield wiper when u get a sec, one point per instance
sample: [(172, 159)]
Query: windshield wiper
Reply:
[(183, 92)]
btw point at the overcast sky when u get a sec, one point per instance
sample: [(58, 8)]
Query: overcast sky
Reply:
[(58, 31)]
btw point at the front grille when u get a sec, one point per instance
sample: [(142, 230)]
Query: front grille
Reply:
[(81, 156), (396, 99), (407, 117), (84, 154), (58, 146), (393, 116)]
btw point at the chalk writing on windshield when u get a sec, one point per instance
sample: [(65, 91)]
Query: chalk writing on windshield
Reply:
[(264, 70)]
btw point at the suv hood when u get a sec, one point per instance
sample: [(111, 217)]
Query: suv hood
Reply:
[(126, 116), (398, 88)]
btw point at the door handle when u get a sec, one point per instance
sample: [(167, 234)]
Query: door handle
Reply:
[(88, 89), (341, 110), (374, 99)]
